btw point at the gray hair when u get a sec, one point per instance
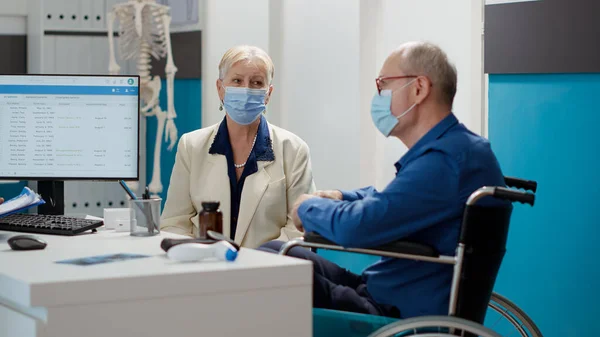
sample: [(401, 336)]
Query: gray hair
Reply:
[(248, 54), (427, 59)]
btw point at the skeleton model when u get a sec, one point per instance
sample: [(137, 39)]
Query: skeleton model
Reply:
[(144, 32)]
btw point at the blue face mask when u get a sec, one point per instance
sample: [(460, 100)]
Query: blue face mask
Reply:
[(381, 112), (244, 105)]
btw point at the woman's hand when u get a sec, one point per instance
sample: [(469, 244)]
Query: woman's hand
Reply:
[(295, 217), (329, 194), (1, 200)]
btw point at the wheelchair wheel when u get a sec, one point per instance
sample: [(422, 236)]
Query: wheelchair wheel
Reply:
[(517, 319), (429, 326)]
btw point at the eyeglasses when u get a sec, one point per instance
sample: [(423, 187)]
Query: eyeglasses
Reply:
[(380, 80)]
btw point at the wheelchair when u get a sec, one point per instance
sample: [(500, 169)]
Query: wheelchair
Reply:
[(478, 256)]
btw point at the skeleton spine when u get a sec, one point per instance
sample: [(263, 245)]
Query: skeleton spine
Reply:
[(143, 64)]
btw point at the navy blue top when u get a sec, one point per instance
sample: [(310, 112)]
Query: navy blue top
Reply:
[(423, 203), (262, 151)]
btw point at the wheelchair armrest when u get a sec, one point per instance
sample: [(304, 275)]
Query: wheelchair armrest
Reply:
[(400, 247)]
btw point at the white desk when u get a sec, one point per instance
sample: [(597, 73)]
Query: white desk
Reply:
[(259, 294)]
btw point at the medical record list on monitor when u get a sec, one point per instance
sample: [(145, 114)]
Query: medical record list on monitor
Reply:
[(69, 127)]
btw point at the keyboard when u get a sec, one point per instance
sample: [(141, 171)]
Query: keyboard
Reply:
[(47, 224)]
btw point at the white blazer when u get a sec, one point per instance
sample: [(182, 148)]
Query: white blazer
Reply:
[(267, 197)]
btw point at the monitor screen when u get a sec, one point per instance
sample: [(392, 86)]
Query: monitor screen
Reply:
[(69, 127)]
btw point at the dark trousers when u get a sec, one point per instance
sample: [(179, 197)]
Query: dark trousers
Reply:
[(335, 287)]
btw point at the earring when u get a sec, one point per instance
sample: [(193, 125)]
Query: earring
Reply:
[(221, 107)]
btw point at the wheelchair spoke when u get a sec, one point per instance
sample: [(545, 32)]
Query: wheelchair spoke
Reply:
[(512, 333), (519, 319), (508, 315), (496, 322)]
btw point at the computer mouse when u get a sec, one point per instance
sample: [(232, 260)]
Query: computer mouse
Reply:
[(26, 242)]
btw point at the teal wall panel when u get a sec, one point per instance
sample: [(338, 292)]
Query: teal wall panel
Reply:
[(10, 190), (188, 105), (543, 127)]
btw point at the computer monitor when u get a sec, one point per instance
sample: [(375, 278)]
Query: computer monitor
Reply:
[(68, 127)]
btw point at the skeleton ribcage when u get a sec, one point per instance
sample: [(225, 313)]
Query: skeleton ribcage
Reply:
[(151, 42)]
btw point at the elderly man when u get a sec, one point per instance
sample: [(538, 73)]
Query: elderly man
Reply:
[(445, 163)]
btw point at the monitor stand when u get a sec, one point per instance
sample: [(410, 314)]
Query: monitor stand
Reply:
[(53, 193)]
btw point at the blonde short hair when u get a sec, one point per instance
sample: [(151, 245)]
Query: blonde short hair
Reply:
[(248, 54)]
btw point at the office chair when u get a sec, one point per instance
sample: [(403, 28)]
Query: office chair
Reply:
[(476, 262)]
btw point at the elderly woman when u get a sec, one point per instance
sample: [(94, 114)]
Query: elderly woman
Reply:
[(253, 168)]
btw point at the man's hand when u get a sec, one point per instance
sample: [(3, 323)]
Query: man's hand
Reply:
[(1, 200), (330, 194), (295, 217)]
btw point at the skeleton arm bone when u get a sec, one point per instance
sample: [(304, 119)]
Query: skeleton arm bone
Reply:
[(113, 66), (170, 70)]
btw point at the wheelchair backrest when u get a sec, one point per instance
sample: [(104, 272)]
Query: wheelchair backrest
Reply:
[(484, 233)]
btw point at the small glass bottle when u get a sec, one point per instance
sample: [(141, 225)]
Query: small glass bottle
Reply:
[(210, 219)]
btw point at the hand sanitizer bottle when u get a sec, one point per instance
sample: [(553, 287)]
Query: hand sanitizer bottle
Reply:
[(186, 252)]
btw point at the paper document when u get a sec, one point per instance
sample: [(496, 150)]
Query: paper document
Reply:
[(25, 200)]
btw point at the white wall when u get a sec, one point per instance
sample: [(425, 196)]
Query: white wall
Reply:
[(12, 25), (13, 8), (320, 85), (456, 27), (371, 49), (12, 17), (228, 23)]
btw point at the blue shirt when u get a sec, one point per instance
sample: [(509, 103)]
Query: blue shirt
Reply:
[(424, 203), (262, 151)]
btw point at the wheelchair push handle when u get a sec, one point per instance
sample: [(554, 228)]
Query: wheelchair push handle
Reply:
[(513, 195), (502, 193), (530, 185)]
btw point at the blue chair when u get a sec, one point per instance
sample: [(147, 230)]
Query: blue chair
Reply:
[(471, 294)]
